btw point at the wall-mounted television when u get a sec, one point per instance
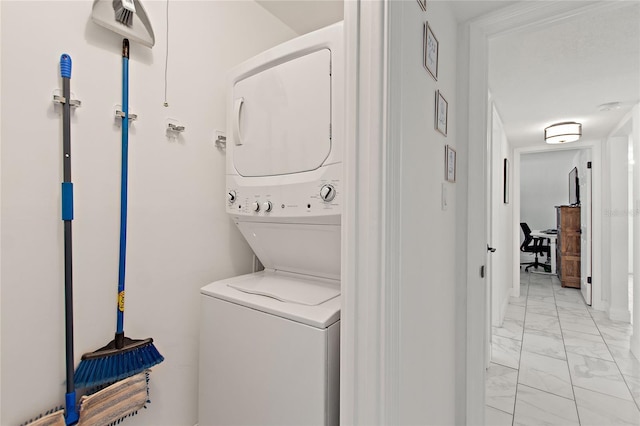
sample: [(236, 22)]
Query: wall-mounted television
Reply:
[(574, 187)]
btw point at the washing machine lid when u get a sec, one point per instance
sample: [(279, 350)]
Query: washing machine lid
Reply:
[(308, 300), (281, 121), (305, 249), (288, 290)]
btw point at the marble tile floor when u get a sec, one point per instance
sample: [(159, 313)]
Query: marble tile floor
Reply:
[(556, 361)]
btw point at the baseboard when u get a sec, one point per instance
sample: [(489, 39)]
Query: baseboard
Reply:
[(503, 308), (619, 315), (635, 344)]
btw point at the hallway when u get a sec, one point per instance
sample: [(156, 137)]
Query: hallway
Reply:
[(556, 361)]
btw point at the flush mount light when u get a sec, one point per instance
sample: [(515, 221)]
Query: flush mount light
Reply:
[(563, 132)]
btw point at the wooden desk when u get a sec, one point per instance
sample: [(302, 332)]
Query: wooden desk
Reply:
[(552, 242)]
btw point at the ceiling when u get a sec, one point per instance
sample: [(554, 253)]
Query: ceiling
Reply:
[(465, 10), (563, 71), (304, 16), (539, 76)]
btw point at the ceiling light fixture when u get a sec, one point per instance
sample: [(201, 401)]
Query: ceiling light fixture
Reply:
[(563, 132)]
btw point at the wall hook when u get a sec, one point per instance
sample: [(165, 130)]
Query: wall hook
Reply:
[(175, 127), (59, 99), (221, 141), (120, 114)]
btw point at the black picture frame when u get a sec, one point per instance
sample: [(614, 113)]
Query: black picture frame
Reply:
[(431, 48), (449, 164), (442, 113)]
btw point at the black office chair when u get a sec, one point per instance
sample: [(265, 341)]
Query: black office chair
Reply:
[(535, 245)]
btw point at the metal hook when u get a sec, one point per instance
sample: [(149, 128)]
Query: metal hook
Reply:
[(175, 127)]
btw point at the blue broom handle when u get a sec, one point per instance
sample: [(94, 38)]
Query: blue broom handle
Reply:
[(123, 186)]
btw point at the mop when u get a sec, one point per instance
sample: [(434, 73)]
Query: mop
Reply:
[(122, 357), (70, 414)]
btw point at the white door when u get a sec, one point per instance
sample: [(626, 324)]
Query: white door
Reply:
[(584, 176), (282, 117)]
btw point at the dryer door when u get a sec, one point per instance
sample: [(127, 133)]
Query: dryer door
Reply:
[(281, 122)]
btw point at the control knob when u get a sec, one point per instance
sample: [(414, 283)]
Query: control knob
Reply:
[(266, 206), (231, 196), (255, 206), (327, 193)]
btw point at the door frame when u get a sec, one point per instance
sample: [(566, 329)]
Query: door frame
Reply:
[(586, 224), (473, 64), (369, 332)]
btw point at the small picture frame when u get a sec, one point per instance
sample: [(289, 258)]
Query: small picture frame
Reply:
[(505, 176), (423, 4), (442, 113), (430, 48), (449, 164)]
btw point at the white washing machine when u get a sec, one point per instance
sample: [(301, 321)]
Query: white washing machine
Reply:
[(270, 341), (272, 358)]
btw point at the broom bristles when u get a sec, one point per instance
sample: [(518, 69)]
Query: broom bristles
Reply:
[(111, 365), (123, 13)]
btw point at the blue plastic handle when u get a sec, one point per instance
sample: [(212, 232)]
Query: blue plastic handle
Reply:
[(123, 188), (71, 414), (67, 201), (65, 66)]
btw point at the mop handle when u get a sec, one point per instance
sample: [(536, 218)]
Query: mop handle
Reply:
[(67, 211), (123, 190), (67, 217)]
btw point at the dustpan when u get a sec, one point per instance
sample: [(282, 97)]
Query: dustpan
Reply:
[(140, 30)]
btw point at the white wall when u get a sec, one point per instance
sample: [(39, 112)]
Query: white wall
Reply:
[(544, 184), (616, 215), (427, 241), (179, 235), (635, 137), (0, 215), (630, 206), (501, 262)]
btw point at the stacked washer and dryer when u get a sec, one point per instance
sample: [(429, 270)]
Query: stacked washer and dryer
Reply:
[(270, 341)]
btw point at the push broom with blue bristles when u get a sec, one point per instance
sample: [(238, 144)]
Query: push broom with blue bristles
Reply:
[(122, 357)]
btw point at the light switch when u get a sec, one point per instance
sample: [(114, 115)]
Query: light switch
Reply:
[(444, 196)]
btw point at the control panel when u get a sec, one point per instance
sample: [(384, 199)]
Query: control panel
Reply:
[(305, 199)]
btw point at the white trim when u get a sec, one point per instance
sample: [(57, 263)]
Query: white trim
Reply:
[(393, 222), (348, 324), (370, 258), (516, 223), (619, 315), (0, 215), (471, 223)]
